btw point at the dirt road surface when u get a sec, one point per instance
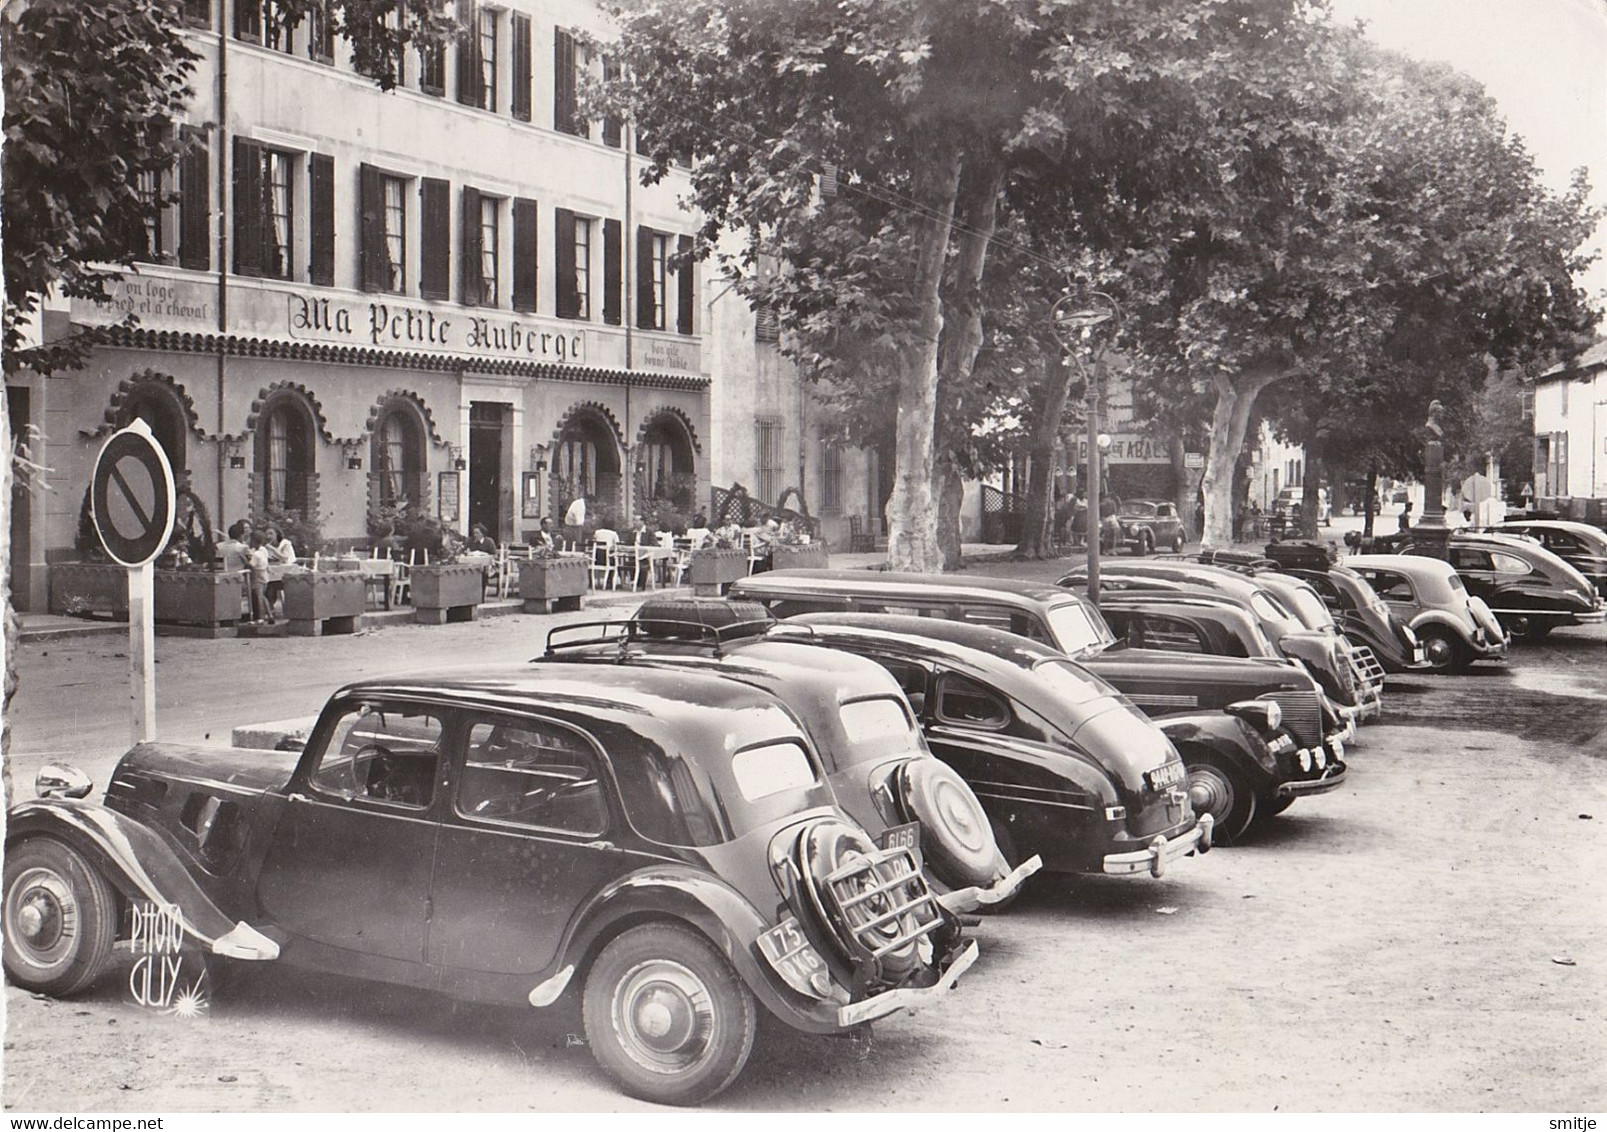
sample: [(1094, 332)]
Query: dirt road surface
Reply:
[(1433, 937)]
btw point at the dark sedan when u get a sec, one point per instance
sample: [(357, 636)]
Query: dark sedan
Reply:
[(1581, 545), (1530, 590), (1145, 525)]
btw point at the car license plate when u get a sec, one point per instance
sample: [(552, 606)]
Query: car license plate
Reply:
[(1164, 777), (902, 837), (790, 953)]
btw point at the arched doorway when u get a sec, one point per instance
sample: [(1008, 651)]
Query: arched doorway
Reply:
[(286, 455), (586, 463), (398, 473), (157, 404), (666, 460)]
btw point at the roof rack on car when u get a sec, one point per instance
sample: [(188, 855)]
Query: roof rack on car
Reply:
[(1242, 561), (653, 627)]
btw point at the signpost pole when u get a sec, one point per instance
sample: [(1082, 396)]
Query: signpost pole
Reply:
[(142, 650)]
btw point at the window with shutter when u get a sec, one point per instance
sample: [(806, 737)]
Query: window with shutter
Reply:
[(468, 59), (432, 69), (685, 270), (195, 201), (247, 207), (469, 227), (565, 109), (150, 238), (524, 255), (645, 238), (613, 132), (321, 204), (384, 230), (770, 468), (563, 234), (490, 251), (320, 33), (521, 51), (435, 246), (198, 13), (613, 271), (248, 20), (486, 50)]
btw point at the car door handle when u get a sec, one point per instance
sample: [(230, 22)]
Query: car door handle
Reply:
[(297, 798)]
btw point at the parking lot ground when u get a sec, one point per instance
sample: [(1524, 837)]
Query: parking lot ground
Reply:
[(1431, 937)]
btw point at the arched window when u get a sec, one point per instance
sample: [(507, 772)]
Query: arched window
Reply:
[(585, 462), (397, 458), (666, 461), (286, 455), (158, 407)]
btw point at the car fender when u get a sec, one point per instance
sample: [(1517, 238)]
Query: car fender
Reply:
[(135, 859), (1445, 620), (1315, 651), (1228, 737), (667, 891)]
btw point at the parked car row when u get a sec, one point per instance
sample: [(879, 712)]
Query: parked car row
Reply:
[(786, 800)]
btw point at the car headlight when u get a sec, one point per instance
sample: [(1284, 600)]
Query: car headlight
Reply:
[(1305, 759)]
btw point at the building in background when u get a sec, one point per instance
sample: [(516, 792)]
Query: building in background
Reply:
[(1570, 435), (454, 295)]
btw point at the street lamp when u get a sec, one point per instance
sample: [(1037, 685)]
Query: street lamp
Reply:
[(1075, 316)]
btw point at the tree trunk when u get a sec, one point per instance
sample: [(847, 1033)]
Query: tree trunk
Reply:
[(950, 488), (1184, 490), (1309, 517), (912, 511), (976, 207), (1230, 419), (1053, 389)]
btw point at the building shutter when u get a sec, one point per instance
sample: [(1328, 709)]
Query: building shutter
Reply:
[(471, 246), (684, 273), (613, 271), (563, 82), (247, 207), (521, 67), (375, 260), (195, 201), (563, 233), (524, 255), (321, 204), (435, 246), (644, 278), (612, 131), (469, 57)]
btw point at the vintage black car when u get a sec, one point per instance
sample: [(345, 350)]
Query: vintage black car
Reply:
[(872, 754), (1281, 702), (1454, 627), (1064, 765), (1581, 545), (1142, 525), (1364, 617), (1349, 683), (1531, 590), (662, 840)]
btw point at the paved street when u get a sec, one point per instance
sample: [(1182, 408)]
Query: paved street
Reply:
[(1431, 937)]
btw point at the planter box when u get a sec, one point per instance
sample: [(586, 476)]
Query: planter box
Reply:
[(199, 603), (325, 602), (79, 589), (712, 571), (446, 593), (798, 556), (552, 583)]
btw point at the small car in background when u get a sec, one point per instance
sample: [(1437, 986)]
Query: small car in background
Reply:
[(1143, 525), (871, 751), (661, 840), (1581, 545), (1454, 627)]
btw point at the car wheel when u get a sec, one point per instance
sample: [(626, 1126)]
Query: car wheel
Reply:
[(1146, 542), (1177, 543), (60, 918), (1218, 791), (666, 1016), (1443, 651), (957, 839), (1521, 628)]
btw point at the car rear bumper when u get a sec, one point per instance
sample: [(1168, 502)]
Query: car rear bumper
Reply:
[(857, 1013), (1162, 851), (975, 896)]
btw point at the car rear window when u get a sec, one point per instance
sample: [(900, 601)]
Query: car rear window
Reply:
[(1076, 631), (877, 728), (771, 769)]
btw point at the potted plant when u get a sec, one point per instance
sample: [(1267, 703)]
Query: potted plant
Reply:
[(551, 579), (794, 548), (324, 602), (718, 562)]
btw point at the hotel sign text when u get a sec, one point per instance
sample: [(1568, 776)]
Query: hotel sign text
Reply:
[(389, 324)]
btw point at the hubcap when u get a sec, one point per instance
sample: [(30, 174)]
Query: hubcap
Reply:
[(42, 916), (1438, 651), (1210, 792), (664, 1016)]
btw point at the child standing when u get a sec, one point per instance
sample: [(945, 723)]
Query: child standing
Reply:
[(260, 609)]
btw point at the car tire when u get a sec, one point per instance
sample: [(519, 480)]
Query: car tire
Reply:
[(666, 1015), (1177, 543), (1146, 543), (956, 835), (1216, 789), (1443, 650), (60, 918), (1520, 628)]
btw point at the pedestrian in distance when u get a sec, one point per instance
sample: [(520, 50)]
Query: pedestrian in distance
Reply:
[(260, 609)]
